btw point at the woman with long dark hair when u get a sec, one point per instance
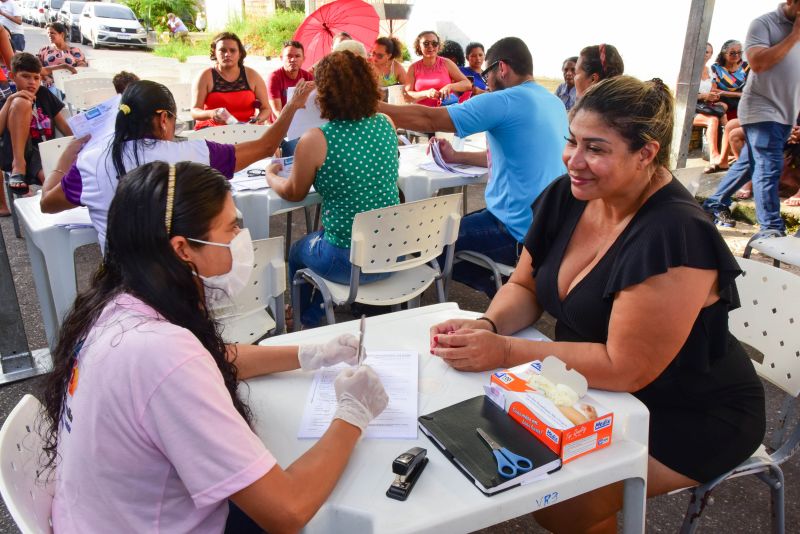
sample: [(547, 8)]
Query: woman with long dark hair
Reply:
[(595, 64), (145, 131), (229, 87), (143, 425)]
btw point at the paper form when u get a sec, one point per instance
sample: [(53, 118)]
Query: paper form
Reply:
[(304, 118), (399, 373), (98, 121)]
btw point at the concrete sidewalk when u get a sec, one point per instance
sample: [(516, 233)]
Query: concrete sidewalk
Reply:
[(741, 505)]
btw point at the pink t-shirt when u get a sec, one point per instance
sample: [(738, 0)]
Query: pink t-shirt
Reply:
[(150, 440), (434, 77)]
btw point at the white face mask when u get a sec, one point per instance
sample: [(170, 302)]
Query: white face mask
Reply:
[(220, 288)]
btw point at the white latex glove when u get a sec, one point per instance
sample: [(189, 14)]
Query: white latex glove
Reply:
[(343, 348), (360, 396)]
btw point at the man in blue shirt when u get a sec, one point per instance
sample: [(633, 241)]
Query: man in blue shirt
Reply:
[(526, 128)]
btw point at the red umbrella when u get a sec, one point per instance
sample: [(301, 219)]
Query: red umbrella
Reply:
[(355, 17)]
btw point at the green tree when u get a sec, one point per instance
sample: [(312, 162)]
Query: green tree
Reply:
[(154, 12)]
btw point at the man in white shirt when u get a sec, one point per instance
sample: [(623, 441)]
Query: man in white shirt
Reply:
[(11, 18)]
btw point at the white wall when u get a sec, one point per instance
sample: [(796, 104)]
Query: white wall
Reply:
[(218, 12), (649, 35)]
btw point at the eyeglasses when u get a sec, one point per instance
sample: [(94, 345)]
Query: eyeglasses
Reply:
[(430, 44), (252, 173), (734, 52), (490, 68), (180, 125)]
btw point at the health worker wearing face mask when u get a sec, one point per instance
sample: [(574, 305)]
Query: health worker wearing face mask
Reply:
[(145, 130), (141, 414)]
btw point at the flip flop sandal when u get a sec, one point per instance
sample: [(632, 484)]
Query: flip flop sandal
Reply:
[(17, 184)]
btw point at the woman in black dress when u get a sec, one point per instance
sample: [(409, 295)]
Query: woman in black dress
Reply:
[(640, 283)]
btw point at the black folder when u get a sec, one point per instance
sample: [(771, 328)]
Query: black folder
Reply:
[(453, 431)]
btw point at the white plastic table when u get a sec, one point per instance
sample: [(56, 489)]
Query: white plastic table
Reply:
[(417, 183), (443, 500), (51, 250)]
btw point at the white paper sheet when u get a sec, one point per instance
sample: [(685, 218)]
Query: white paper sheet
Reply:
[(98, 121), (242, 181), (304, 118), (437, 163), (74, 218), (399, 373)]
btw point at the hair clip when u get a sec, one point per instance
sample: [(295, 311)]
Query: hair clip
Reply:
[(170, 198), (602, 51), (125, 109)]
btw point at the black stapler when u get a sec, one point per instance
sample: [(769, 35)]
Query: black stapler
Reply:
[(407, 468)]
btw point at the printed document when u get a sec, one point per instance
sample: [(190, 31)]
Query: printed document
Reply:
[(399, 373), (304, 118), (98, 121)]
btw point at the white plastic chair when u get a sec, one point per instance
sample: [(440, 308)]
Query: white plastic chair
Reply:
[(94, 97), (780, 249), (497, 270), (50, 151), (768, 321), (404, 240), (75, 87), (232, 134), (27, 497), (247, 320)]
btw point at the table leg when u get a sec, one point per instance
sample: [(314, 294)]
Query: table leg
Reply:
[(634, 505), (42, 285), (63, 285)]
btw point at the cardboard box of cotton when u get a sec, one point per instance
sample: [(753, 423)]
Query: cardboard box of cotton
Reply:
[(551, 402)]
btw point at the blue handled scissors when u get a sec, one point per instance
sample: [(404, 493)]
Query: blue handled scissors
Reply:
[(509, 464)]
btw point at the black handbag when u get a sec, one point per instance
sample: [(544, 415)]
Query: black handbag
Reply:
[(714, 110)]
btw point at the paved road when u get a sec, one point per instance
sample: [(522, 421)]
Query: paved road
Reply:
[(36, 38)]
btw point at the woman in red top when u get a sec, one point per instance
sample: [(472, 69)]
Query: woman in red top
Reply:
[(229, 85), (433, 78)]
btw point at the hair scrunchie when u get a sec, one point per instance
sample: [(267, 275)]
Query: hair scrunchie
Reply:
[(125, 109)]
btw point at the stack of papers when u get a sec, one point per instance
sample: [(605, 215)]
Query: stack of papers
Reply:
[(398, 371), (438, 164), (253, 178), (70, 219)]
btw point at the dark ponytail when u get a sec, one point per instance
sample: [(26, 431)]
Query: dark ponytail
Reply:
[(135, 117)]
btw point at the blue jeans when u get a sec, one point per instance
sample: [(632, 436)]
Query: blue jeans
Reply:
[(18, 42), (761, 161), (287, 147), (327, 260), (483, 232)]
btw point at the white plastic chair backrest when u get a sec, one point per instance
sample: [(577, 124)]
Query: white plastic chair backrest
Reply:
[(50, 151), (404, 236), (232, 134), (27, 498), (769, 321), (182, 93), (94, 97), (167, 81), (75, 87), (267, 281)]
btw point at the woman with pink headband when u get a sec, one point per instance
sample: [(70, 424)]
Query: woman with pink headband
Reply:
[(596, 63)]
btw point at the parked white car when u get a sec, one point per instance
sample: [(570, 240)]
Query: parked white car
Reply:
[(52, 9), (39, 13), (111, 25)]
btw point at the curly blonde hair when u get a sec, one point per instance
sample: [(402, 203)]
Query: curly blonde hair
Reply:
[(346, 87)]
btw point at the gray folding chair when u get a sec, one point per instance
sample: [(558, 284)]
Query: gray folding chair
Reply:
[(768, 321)]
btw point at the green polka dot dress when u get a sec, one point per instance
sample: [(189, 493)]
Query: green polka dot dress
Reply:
[(359, 173)]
